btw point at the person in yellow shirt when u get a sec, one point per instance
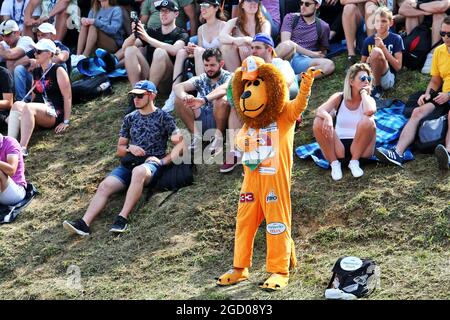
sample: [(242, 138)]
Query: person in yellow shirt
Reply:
[(437, 95)]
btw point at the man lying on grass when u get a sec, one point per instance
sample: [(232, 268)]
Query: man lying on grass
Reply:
[(142, 147)]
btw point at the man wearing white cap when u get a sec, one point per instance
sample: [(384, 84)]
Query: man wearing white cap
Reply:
[(18, 45), (24, 67), (14, 9)]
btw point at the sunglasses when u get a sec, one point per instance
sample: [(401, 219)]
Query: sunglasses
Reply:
[(205, 5), (307, 4), (364, 78), (138, 95), (443, 34), (40, 51), (256, 1)]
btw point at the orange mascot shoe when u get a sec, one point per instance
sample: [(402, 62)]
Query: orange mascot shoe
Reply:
[(233, 276)]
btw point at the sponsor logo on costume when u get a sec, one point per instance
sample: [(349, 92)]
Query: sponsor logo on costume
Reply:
[(267, 170), (271, 197), (275, 228), (246, 197), (271, 128)]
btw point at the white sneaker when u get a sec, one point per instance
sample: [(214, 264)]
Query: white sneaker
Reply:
[(196, 143), (169, 105), (74, 59), (337, 294), (427, 65), (336, 171), (355, 169), (216, 146)]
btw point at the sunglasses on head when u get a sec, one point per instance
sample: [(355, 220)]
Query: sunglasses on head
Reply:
[(306, 4), (443, 34), (364, 78)]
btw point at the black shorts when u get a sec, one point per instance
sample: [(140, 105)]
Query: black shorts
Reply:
[(347, 144)]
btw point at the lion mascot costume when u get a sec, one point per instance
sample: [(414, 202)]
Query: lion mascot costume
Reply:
[(260, 96)]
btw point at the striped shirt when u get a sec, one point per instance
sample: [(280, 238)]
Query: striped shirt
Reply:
[(305, 35)]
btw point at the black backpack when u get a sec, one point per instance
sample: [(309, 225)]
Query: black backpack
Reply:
[(174, 177), (90, 88), (417, 46), (431, 131), (360, 282)]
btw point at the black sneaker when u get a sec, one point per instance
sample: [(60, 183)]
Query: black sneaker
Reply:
[(77, 227), (443, 157), (389, 156), (351, 60), (119, 225)]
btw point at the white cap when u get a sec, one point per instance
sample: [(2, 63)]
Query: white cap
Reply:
[(45, 45), (1, 27), (47, 28), (319, 2), (9, 26)]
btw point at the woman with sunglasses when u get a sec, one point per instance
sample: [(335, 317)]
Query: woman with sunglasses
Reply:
[(354, 134), (51, 105), (237, 35)]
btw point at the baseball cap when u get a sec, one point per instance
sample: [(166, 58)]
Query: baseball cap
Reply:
[(172, 6), (9, 27), (250, 66), (47, 28), (45, 45), (214, 2), (144, 86), (319, 2), (265, 38)]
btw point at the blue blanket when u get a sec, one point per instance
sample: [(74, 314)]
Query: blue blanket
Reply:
[(390, 122)]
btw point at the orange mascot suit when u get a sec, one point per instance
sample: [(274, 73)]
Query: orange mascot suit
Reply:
[(260, 96)]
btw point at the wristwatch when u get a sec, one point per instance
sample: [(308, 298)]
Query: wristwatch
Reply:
[(66, 122)]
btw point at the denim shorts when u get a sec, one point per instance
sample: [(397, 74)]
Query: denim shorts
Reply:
[(300, 63), (124, 174), (207, 119)]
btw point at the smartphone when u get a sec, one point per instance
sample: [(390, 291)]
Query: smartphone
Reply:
[(134, 18)]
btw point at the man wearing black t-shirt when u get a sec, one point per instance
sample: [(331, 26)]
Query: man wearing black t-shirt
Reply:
[(162, 45)]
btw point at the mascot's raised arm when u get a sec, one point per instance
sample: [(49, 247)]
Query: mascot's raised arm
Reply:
[(260, 96)]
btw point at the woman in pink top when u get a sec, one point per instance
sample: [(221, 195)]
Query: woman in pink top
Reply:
[(12, 172)]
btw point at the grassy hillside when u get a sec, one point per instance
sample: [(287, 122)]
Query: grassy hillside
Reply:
[(399, 217)]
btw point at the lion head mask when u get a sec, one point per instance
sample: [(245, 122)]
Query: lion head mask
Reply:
[(259, 92)]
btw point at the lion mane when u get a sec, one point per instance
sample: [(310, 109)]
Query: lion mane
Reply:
[(276, 97)]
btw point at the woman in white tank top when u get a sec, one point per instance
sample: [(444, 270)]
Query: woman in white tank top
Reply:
[(208, 37), (354, 135)]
